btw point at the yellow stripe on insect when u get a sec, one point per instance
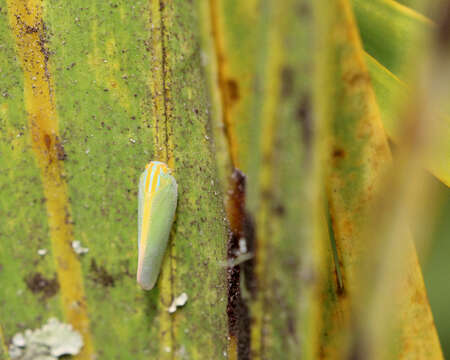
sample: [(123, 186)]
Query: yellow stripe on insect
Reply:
[(157, 205)]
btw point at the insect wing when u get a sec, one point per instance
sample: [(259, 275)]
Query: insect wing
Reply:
[(154, 229)]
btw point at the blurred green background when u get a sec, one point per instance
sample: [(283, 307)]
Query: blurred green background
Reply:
[(436, 265)]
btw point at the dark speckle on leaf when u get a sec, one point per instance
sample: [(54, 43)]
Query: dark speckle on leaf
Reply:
[(304, 117), (100, 276), (38, 284), (287, 81), (232, 90)]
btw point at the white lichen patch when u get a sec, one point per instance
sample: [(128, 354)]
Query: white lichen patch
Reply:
[(53, 340), (76, 245), (179, 301), (42, 252), (18, 340)]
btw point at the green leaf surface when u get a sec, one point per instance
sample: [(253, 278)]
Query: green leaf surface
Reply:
[(392, 94), (391, 33), (101, 66)]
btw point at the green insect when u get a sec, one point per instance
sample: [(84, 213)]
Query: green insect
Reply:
[(157, 205)]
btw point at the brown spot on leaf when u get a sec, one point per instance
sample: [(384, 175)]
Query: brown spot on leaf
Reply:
[(60, 153), (347, 228), (304, 9), (232, 91), (279, 210), (355, 78), (305, 119), (38, 284), (287, 81), (419, 298), (338, 153), (292, 329), (100, 276), (47, 141)]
